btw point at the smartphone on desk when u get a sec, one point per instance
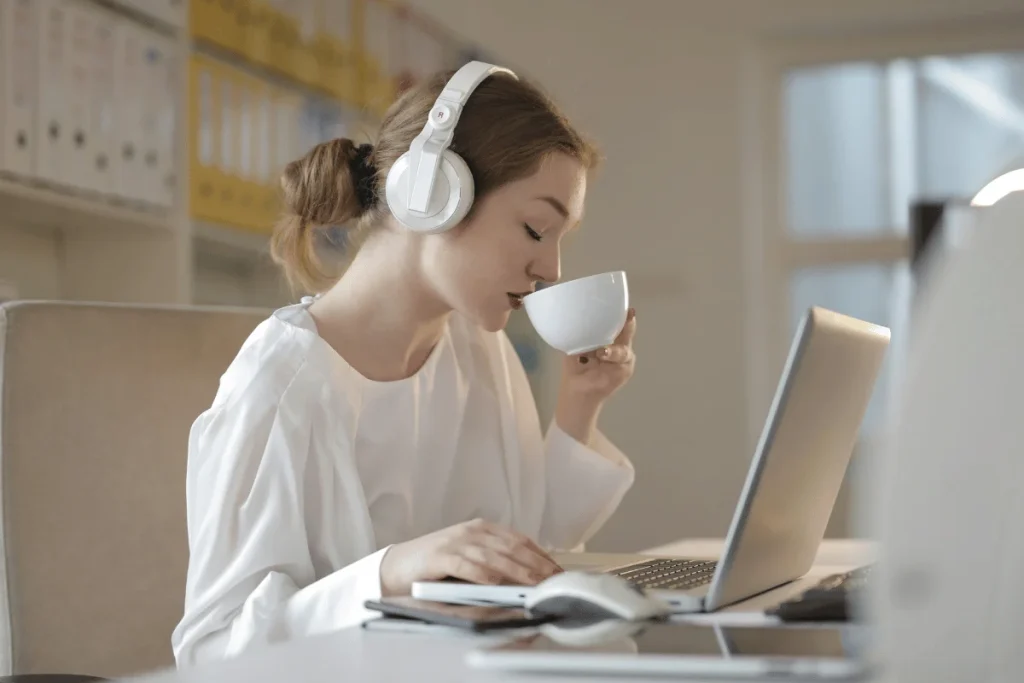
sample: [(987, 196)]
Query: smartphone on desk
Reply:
[(476, 618)]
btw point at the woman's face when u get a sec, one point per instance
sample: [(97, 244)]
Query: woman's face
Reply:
[(511, 241)]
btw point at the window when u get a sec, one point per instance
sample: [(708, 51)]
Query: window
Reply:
[(860, 142)]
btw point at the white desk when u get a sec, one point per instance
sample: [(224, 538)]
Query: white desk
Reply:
[(377, 657)]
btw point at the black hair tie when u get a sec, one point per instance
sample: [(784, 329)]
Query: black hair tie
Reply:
[(364, 177)]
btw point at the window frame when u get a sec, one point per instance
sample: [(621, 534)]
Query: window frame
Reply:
[(770, 253)]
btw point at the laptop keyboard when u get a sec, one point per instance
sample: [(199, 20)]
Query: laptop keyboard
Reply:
[(667, 574)]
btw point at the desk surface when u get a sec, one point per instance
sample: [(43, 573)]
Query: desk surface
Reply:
[(372, 657)]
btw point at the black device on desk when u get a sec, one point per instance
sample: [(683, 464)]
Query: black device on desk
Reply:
[(831, 599)]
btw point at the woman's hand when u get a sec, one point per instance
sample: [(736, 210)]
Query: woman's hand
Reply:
[(476, 551), (589, 379)]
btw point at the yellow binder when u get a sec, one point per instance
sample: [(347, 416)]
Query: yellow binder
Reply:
[(340, 35), (257, 32), (219, 22), (305, 61)]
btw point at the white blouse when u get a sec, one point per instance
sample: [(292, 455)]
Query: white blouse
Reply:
[(303, 472)]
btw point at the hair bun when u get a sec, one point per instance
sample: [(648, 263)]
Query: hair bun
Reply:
[(321, 187), (331, 186), (364, 176)]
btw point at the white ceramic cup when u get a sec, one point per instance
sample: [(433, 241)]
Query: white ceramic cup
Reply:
[(579, 316)]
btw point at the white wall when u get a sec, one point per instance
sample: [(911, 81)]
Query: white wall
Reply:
[(657, 82)]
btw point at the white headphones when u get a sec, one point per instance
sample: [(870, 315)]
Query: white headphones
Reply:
[(430, 188)]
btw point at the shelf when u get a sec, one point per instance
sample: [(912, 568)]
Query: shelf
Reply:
[(125, 10), (38, 205)]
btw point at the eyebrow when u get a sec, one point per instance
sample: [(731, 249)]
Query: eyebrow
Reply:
[(556, 205)]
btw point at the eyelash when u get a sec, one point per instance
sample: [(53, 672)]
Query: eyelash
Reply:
[(532, 233)]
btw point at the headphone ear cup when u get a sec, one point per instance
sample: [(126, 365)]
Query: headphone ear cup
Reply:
[(462, 181), (450, 201)]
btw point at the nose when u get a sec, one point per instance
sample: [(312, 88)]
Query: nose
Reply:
[(548, 268)]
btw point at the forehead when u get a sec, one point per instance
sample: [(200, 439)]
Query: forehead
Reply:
[(560, 177)]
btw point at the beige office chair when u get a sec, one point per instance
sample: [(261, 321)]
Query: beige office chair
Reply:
[(95, 406)]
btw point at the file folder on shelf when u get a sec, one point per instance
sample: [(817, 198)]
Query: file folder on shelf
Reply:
[(19, 60), (305, 65), (104, 169), (339, 73), (287, 146), (79, 152), (159, 82), (128, 75), (377, 83), (262, 17), (218, 22), (267, 204), (246, 209), (204, 140), (285, 37), (228, 180), (52, 84)]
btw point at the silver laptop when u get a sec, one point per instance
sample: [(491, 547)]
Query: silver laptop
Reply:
[(791, 487)]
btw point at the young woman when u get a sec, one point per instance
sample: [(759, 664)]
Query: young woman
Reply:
[(383, 431)]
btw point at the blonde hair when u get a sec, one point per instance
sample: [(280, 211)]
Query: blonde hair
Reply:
[(507, 128)]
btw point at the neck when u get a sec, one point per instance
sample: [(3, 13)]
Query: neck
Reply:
[(380, 316)]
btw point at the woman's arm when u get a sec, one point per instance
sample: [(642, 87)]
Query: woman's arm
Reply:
[(251, 577), (585, 475)]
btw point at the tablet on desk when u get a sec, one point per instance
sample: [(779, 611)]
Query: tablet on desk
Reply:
[(683, 650)]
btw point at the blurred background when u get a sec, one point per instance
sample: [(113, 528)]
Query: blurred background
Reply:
[(761, 157)]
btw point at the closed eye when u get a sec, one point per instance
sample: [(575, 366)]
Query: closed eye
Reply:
[(532, 233)]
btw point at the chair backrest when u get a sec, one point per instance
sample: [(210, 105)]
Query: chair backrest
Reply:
[(96, 401)]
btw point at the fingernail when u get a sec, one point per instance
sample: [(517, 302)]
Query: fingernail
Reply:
[(604, 353), (632, 314), (584, 360)]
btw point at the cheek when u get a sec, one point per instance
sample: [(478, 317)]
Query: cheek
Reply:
[(462, 275)]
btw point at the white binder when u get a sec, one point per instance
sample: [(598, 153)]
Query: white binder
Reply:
[(18, 78), (51, 121), (105, 166), (80, 32), (128, 83), (170, 122), (157, 116)]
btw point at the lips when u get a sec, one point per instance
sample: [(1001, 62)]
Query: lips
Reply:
[(516, 299)]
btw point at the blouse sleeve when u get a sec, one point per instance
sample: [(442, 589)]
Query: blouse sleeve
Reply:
[(584, 487), (250, 577)]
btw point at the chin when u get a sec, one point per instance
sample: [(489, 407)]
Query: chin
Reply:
[(491, 321)]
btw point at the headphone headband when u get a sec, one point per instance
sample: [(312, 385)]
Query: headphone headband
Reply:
[(427, 148)]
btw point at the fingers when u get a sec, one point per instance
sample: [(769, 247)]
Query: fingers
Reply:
[(516, 539), (625, 337), (515, 547), (462, 567), (522, 543), (498, 564), (618, 354)]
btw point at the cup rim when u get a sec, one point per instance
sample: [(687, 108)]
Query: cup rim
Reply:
[(576, 280)]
